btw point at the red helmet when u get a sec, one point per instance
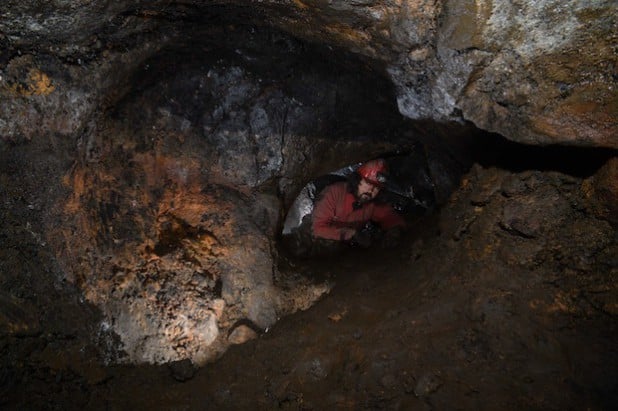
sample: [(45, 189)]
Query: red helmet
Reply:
[(374, 171)]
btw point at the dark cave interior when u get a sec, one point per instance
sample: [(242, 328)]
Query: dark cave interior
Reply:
[(203, 152)]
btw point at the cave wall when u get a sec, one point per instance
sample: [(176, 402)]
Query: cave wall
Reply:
[(540, 73), (168, 216)]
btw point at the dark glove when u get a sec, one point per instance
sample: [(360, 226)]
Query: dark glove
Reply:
[(392, 237)]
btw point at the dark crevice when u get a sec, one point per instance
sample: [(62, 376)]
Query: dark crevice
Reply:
[(493, 150)]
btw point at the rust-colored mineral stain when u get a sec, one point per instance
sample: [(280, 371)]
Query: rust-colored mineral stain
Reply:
[(37, 84)]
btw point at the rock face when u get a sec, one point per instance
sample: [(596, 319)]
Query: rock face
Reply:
[(540, 72), (164, 261), (148, 151), (602, 191), (158, 195), (477, 307), (170, 211)]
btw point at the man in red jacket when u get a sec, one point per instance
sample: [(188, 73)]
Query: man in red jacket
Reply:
[(344, 209)]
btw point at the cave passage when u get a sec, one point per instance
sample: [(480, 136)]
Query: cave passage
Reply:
[(158, 259), (205, 153), (180, 189)]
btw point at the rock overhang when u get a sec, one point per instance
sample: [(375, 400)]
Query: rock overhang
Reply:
[(506, 67)]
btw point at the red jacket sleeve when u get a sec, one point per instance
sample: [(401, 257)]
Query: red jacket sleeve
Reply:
[(325, 213)]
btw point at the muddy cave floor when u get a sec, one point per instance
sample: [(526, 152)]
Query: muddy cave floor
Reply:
[(471, 311)]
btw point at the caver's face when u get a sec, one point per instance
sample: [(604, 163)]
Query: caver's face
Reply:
[(366, 191)]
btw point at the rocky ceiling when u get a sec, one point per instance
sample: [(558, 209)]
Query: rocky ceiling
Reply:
[(540, 72)]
